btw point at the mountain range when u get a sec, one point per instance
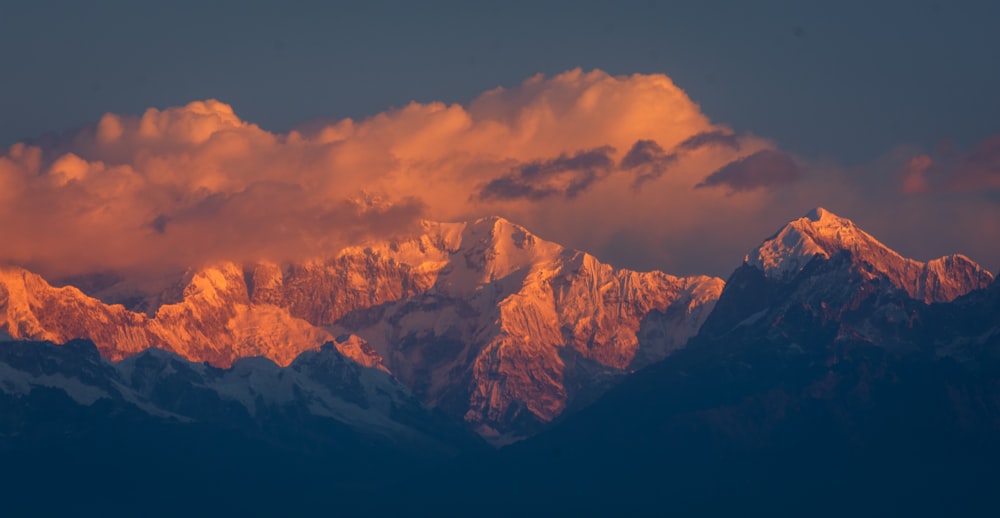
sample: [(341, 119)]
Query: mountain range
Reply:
[(826, 361), (483, 320), (823, 384)]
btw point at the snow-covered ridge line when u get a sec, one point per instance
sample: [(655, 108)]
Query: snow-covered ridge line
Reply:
[(322, 383), (823, 234), (482, 319)]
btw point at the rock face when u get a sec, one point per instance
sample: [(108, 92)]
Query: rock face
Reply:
[(822, 278), (484, 320), (215, 322), (514, 329)]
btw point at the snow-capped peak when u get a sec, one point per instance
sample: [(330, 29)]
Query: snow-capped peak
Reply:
[(821, 233), (482, 319), (819, 214), (818, 233)]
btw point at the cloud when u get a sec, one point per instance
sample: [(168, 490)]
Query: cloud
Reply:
[(914, 175), (980, 169), (184, 186), (648, 160), (710, 138), (563, 176), (764, 168), (954, 171), (602, 163)]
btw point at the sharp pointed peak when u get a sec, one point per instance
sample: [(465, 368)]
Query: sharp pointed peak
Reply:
[(818, 233), (819, 213), (497, 226), (822, 234), (494, 221), (823, 217)]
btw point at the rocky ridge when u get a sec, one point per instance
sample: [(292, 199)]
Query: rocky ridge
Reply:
[(483, 319), (822, 234)]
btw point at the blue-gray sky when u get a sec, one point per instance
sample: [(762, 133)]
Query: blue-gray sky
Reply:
[(846, 80), (885, 112)]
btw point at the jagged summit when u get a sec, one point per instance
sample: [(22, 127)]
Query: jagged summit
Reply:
[(822, 234), (819, 213), (481, 319), (818, 233)]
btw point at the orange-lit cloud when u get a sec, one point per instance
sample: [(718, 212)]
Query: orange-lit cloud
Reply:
[(608, 164)]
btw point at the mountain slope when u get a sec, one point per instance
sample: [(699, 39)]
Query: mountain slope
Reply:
[(484, 320), (822, 389), (320, 390), (214, 322), (831, 388), (528, 327), (821, 273), (79, 434), (822, 234)]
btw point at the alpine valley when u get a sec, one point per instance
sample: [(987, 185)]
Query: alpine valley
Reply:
[(476, 362)]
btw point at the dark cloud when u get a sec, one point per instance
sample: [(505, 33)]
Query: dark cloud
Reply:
[(761, 169), (710, 138), (642, 153), (565, 176), (648, 160), (159, 223)]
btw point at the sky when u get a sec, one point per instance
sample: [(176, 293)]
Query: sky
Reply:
[(666, 135)]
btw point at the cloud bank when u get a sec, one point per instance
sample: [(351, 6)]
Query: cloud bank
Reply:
[(621, 166)]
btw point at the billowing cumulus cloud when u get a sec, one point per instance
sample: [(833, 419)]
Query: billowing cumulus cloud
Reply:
[(179, 187), (764, 168), (607, 164)]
